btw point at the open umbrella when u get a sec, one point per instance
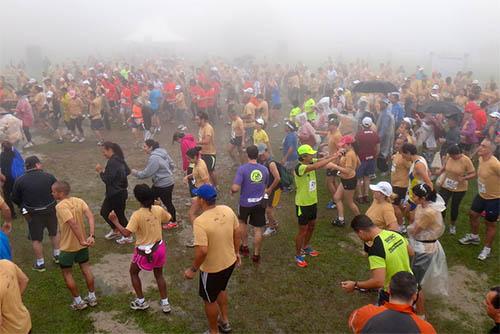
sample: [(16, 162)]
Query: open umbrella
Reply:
[(440, 107), (374, 86)]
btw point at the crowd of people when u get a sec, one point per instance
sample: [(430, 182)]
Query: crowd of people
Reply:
[(424, 161)]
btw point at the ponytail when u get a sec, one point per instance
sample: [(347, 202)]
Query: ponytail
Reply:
[(117, 150), (144, 195), (424, 191)]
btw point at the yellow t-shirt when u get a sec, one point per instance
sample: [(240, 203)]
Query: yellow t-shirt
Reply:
[(237, 128), (399, 171), (214, 228), (70, 208), (207, 131), (200, 173), (264, 109), (488, 178), (249, 113), (15, 316), (454, 169), (382, 214), (146, 224), (333, 141), (95, 108), (350, 161), (260, 137)]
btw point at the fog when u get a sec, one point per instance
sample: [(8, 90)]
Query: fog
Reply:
[(402, 32)]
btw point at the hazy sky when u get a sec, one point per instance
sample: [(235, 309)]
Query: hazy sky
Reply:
[(305, 29)]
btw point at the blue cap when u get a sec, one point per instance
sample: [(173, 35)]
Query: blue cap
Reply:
[(206, 191)]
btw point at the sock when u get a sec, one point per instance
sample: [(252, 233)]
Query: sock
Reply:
[(40, 262), (78, 300), (475, 235), (140, 300), (341, 218), (92, 295), (57, 252), (488, 249), (164, 301)]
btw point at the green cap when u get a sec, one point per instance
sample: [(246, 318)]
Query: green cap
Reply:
[(305, 149)]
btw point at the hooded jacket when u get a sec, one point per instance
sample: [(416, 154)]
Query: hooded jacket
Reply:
[(160, 168), (115, 176), (187, 142)]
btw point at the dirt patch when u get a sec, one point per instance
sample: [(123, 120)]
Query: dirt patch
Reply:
[(112, 274), (104, 322), (352, 248)]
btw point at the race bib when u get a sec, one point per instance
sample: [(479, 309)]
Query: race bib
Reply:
[(481, 187), (450, 184), (312, 185)]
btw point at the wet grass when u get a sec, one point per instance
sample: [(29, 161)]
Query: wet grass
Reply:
[(275, 296)]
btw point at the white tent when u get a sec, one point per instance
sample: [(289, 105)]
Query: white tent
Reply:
[(153, 31)]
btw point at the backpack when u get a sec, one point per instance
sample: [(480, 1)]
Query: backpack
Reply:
[(17, 168), (286, 178)]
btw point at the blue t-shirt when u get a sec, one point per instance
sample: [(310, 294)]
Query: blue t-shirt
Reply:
[(253, 179), (5, 252), (275, 96), (155, 99), (292, 141)]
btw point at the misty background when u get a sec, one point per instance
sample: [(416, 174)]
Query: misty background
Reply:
[(445, 35)]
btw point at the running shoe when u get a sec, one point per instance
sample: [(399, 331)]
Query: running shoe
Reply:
[(78, 306), (38, 267), (90, 301), (165, 308), (111, 235), (55, 258), (224, 327), (485, 253), (256, 259), (244, 251), (331, 205), (60, 141), (300, 261), (74, 139), (81, 140), (453, 229), (170, 225), (125, 240), (269, 231), (338, 222), (136, 305), (468, 239), (29, 144), (310, 252)]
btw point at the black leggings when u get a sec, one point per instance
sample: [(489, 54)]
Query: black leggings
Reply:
[(117, 204), (76, 123), (7, 190), (456, 198), (165, 194), (27, 133)]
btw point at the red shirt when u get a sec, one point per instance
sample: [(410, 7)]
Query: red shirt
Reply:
[(479, 116), (169, 89), (126, 96), (366, 143), (111, 93)]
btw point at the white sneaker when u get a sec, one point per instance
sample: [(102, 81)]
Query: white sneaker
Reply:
[(269, 231), (81, 140), (74, 139), (28, 145), (111, 235), (485, 253), (124, 240), (453, 229), (165, 307), (468, 239), (90, 301)]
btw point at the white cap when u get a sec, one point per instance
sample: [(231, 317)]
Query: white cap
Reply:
[(355, 82), (249, 90), (495, 114), (62, 79), (259, 121), (408, 120), (104, 75), (383, 187), (178, 87), (363, 99), (32, 81), (341, 89), (86, 82), (475, 82), (420, 68), (213, 69), (367, 122), (49, 94), (436, 87), (70, 76)]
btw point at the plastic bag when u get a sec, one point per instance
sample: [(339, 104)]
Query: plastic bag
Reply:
[(436, 161), (435, 280)]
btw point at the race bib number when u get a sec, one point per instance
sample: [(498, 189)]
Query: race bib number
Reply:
[(481, 187), (312, 185), (450, 184)]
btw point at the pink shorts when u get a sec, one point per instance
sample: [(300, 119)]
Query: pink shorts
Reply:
[(159, 258)]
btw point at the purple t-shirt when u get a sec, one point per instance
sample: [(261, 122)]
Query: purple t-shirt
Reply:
[(253, 179)]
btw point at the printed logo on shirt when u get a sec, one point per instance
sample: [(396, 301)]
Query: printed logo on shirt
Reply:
[(256, 176)]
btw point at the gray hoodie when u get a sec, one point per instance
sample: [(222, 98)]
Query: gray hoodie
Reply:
[(160, 167)]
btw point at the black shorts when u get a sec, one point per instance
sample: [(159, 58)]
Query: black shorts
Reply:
[(236, 141), (96, 124), (401, 193), (490, 206), (366, 168), (332, 172), (257, 215), (54, 122), (210, 160), (40, 221), (305, 214), (276, 106), (211, 284), (349, 184)]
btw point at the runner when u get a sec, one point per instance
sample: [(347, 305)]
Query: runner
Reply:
[(237, 136), (206, 140), (74, 242), (14, 316), (400, 169), (367, 148), (381, 211), (260, 135), (251, 182), (95, 112)]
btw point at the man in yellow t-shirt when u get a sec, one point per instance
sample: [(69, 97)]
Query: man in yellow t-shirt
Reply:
[(260, 135), (74, 243), (14, 316), (487, 200), (217, 241)]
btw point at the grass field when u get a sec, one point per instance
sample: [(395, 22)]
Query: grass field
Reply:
[(275, 296)]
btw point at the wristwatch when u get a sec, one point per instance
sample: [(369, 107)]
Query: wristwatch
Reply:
[(193, 269)]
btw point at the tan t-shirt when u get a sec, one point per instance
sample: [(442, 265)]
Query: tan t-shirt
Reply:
[(399, 171), (70, 208), (215, 228), (207, 131), (264, 109), (146, 224), (382, 214), (333, 141), (249, 115), (350, 161), (237, 128), (200, 173), (488, 178), (15, 316), (75, 107), (453, 170), (95, 108)]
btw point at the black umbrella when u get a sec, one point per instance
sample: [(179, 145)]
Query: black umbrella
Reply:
[(374, 86), (440, 107)]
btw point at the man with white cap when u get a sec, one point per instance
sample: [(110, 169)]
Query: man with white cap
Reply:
[(368, 147), (260, 135), (385, 128)]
